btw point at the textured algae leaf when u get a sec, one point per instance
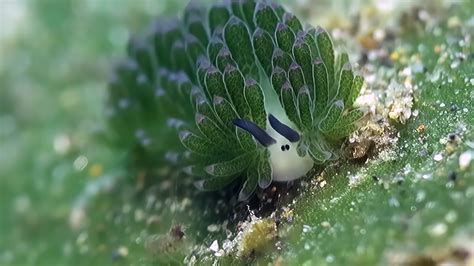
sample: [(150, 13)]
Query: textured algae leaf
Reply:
[(413, 202)]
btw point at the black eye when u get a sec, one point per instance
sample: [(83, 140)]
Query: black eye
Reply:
[(283, 129), (282, 147), (287, 147)]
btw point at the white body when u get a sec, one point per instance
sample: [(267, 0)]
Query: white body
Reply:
[(287, 165)]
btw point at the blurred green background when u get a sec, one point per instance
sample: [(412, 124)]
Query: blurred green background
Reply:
[(55, 58)]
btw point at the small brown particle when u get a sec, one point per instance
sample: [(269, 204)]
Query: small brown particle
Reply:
[(421, 128), (460, 254), (368, 42), (176, 232), (278, 261)]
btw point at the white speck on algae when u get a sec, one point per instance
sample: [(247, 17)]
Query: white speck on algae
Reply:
[(465, 160), (306, 228), (438, 229), (438, 157), (214, 246), (213, 228)]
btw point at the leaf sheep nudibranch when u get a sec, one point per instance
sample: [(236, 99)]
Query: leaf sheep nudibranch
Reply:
[(250, 93)]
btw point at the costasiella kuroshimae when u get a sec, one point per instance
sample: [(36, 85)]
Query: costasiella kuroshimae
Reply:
[(237, 92)]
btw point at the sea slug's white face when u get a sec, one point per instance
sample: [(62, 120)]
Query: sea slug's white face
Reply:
[(281, 141), (286, 164)]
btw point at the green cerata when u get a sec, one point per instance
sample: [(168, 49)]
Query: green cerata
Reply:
[(240, 91)]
